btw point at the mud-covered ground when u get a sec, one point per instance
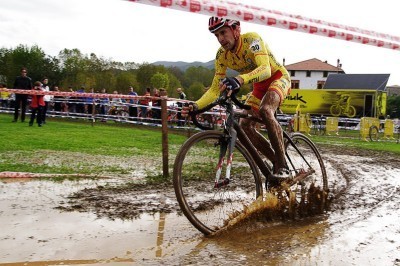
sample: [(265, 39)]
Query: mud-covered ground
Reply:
[(116, 221)]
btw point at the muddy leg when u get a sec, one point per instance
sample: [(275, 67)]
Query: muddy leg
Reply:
[(258, 140), (269, 105)]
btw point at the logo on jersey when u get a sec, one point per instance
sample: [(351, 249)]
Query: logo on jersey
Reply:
[(255, 46)]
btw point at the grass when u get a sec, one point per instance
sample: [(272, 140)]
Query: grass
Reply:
[(352, 139), (91, 147), (24, 148), (80, 136)]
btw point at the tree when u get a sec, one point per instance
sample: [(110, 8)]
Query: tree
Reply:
[(195, 91), (159, 80), (393, 106), (174, 83), (198, 74), (124, 80), (33, 58), (146, 71)]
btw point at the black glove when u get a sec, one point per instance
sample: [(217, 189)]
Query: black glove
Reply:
[(231, 83)]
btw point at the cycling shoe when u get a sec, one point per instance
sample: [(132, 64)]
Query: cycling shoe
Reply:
[(283, 173)]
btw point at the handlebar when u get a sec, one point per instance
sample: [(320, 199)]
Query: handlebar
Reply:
[(222, 100)]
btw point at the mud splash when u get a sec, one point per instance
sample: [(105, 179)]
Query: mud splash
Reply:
[(361, 225)]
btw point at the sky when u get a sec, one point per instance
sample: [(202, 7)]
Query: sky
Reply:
[(131, 32)]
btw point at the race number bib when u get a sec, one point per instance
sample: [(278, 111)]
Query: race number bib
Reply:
[(255, 46)]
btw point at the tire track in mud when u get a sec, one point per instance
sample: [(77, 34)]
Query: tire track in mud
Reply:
[(363, 219)]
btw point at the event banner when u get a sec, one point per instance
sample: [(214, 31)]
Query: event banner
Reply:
[(329, 102)]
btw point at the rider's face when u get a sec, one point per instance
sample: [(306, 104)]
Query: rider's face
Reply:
[(226, 38)]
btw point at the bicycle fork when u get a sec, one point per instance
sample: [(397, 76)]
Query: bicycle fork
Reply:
[(227, 144)]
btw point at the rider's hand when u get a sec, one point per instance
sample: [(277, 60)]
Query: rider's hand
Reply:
[(187, 108), (230, 84)]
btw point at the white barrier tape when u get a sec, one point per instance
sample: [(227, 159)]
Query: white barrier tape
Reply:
[(85, 94), (260, 16), (370, 33)]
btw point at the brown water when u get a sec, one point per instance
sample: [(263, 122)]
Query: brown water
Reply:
[(362, 227)]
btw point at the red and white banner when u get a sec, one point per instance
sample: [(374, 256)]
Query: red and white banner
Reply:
[(279, 19)]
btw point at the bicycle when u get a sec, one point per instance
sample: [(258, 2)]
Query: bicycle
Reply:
[(209, 200), (343, 107)]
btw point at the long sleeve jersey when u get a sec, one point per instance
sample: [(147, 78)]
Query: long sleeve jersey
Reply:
[(252, 59)]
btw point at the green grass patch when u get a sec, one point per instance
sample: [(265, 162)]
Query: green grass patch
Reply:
[(77, 136), (352, 139), (76, 146)]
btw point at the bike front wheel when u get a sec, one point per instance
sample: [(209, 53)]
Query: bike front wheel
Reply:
[(351, 112), (209, 208), (310, 194)]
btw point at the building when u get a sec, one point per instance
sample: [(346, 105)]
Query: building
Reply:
[(393, 90), (312, 73)]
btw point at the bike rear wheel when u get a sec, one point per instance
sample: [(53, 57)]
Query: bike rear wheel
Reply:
[(206, 207), (374, 133), (309, 194)]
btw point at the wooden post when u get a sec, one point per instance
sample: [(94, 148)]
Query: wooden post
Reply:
[(164, 127)]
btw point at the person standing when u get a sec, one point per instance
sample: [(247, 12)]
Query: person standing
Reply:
[(182, 96), (104, 105), (133, 103), (89, 103), (80, 102), (37, 105), (144, 103), (156, 106), (47, 99), (58, 100), (22, 82)]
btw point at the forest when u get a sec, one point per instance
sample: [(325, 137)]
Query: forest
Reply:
[(72, 68)]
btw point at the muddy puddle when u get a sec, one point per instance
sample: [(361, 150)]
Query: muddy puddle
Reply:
[(90, 222)]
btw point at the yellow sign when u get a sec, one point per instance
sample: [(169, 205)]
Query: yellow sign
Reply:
[(343, 103)]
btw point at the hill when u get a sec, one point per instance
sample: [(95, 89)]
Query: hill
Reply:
[(185, 65)]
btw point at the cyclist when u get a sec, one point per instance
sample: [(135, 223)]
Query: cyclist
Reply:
[(251, 57)]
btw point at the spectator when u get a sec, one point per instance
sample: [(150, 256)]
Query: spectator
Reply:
[(156, 104), (144, 102), (71, 101), (47, 99), (80, 102), (104, 105), (89, 103), (37, 105), (182, 96), (115, 103), (57, 101), (4, 96), (22, 82), (133, 112)]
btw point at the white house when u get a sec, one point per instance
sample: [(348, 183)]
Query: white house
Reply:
[(312, 73)]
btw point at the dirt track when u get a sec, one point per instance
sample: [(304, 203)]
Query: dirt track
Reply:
[(89, 222)]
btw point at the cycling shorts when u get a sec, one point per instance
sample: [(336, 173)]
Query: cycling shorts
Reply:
[(277, 83)]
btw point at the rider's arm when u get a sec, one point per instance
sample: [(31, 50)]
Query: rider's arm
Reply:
[(261, 57), (213, 92)]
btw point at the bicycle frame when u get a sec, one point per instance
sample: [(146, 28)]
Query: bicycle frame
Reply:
[(234, 131)]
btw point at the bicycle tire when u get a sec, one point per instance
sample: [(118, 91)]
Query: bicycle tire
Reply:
[(206, 207), (352, 111), (335, 110), (311, 193), (373, 133)]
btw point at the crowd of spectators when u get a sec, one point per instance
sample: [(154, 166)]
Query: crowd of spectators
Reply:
[(145, 108)]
